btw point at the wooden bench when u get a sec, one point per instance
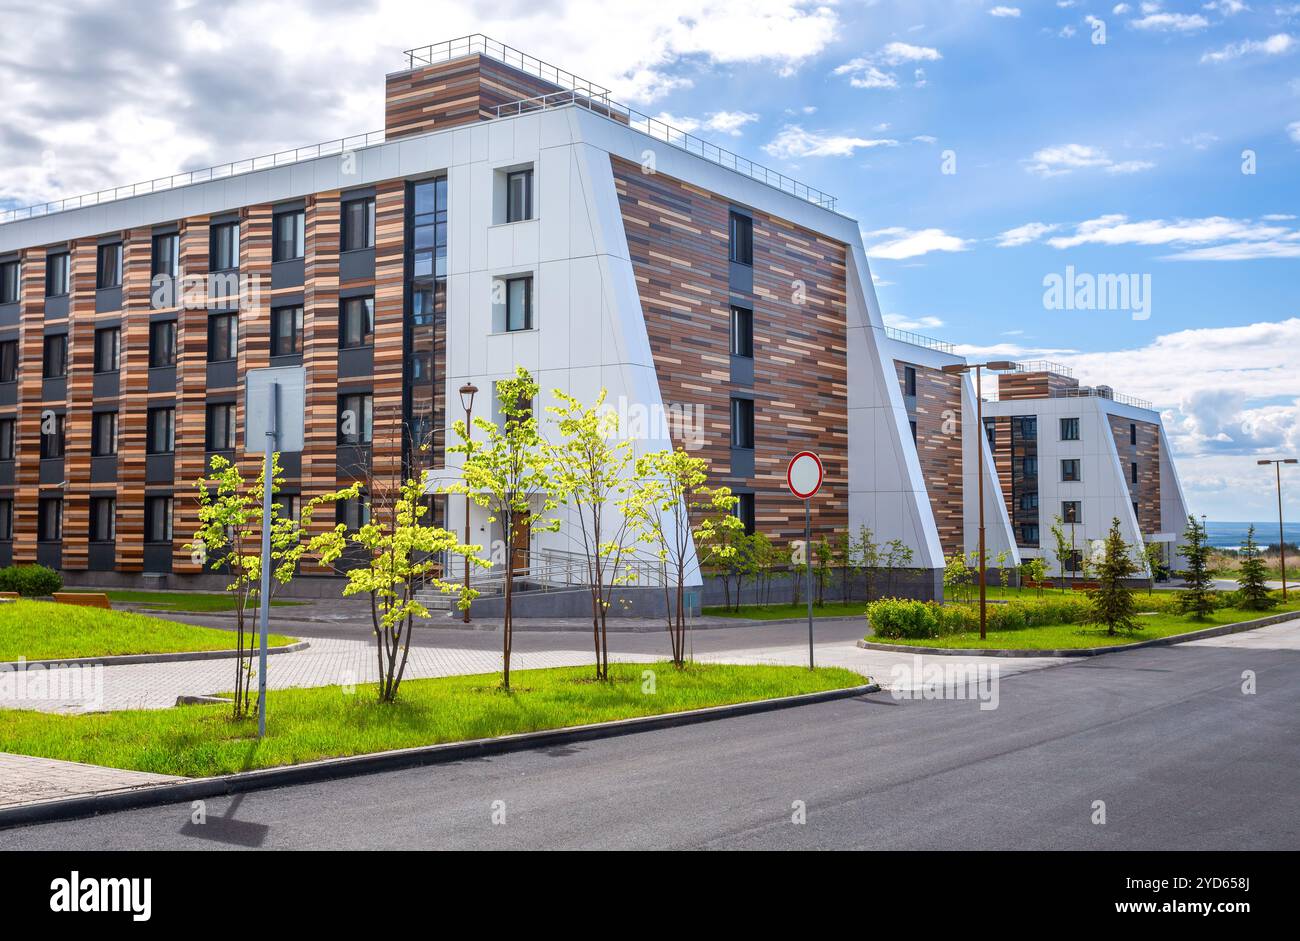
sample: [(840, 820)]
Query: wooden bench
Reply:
[(85, 599), (1085, 586), (8, 596)]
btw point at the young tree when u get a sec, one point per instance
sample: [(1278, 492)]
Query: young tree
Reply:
[(508, 472), (763, 554), (745, 565), (1111, 603), (846, 560), (956, 576), (720, 540), (1153, 555), (591, 471), (897, 555), (1035, 570), (823, 559), (1064, 549), (869, 560), (1004, 573), (1198, 597), (229, 539), (1252, 579), (400, 556)]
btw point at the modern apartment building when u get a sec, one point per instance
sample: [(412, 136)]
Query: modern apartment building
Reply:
[(1085, 455), (509, 214)]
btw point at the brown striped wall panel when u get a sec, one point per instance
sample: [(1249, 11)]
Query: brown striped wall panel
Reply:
[(191, 397), (939, 448), (1033, 385), (458, 91), (1146, 492), (320, 471), (27, 467), (390, 327), (77, 419), (133, 395)]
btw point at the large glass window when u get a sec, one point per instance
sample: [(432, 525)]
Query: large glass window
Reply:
[(56, 275), (166, 255), (742, 332), (742, 239), (355, 418), (162, 343), (9, 361), (161, 436), (222, 338), (223, 247), (108, 349), (52, 440), (519, 304), (8, 438), (103, 434), (745, 511), (519, 196), (103, 519), (108, 272), (55, 357), (286, 331), (158, 519), (220, 434), (352, 513), (742, 423), (1071, 511), (357, 322), (358, 224), (909, 381), (6, 519), (290, 236), (11, 283), (429, 232), (1069, 429), (49, 521), (1070, 469)]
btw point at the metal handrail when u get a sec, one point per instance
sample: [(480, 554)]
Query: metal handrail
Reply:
[(991, 395), (675, 137), (222, 171), (486, 45), (916, 339), (1043, 365)]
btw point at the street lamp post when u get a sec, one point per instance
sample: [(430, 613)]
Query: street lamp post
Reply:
[(467, 393), (1281, 528), (955, 368)]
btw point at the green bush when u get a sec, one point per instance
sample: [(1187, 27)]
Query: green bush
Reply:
[(30, 580), (895, 617)]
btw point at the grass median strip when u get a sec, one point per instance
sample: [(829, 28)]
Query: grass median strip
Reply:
[(188, 601), (42, 630), (325, 722), (774, 612)]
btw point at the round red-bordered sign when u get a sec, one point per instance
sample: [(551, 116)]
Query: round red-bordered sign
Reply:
[(804, 475)]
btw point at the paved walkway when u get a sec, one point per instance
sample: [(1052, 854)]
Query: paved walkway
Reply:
[(26, 780)]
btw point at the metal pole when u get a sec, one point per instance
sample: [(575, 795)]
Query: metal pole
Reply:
[(807, 548), (1281, 528), (469, 433), (264, 596), (979, 476)]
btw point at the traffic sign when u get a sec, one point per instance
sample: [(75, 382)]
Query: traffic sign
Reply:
[(804, 475)]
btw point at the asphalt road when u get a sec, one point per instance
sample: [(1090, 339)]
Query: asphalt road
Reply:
[(1164, 736)]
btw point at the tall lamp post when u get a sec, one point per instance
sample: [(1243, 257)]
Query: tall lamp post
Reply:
[(996, 366), (1281, 529), (467, 393)]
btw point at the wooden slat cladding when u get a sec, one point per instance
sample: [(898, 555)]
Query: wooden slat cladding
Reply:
[(27, 468), (939, 448), (320, 348), (390, 328), (1033, 385), (191, 394), (77, 419), (133, 395), (1002, 461), (678, 240), (459, 91), (1146, 454)]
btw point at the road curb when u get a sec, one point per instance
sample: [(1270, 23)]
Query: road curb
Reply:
[(125, 659), (1170, 641), (152, 795)]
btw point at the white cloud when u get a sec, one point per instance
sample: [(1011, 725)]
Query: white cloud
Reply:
[(794, 142), (1213, 238), (1005, 11), (896, 53), (1226, 7), (1024, 234), (1275, 45), (1129, 166), (1171, 22), (870, 71), (900, 243), (1201, 140), (1294, 130), (1066, 158), (730, 122), (1120, 9), (904, 322)]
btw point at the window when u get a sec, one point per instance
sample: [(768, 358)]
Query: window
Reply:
[(286, 331), (11, 284), (909, 381), (1071, 511), (912, 426), (742, 239), (108, 268), (55, 357), (8, 438), (519, 196), (7, 519), (1028, 427), (1029, 534), (108, 349), (288, 506), (519, 304), (158, 519), (1135, 508), (166, 255), (1029, 501), (745, 511), (991, 432), (103, 434), (52, 440), (290, 236), (358, 224), (1132, 433), (355, 418), (1133, 471), (742, 423), (1069, 429), (1074, 560), (103, 519), (1070, 469), (222, 338), (162, 343), (352, 513), (429, 229), (357, 326), (161, 432), (742, 332), (220, 434), (49, 523), (1029, 466), (9, 361), (56, 275), (223, 247)]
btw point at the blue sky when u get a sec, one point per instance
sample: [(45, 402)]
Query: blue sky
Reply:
[(1122, 157)]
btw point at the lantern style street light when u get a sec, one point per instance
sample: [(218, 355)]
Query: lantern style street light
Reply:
[(1281, 529)]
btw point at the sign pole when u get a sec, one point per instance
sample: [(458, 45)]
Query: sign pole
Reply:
[(264, 595), (807, 542)]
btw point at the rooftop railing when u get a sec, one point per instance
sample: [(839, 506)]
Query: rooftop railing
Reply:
[(653, 127), (916, 339), (1043, 365), (487, 46), (1081, 392)]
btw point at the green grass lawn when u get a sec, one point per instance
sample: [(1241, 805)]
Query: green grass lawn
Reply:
[(43, 630), (305, 724), (772, 612), (1074, 636), (188, 601), (1012, 592)]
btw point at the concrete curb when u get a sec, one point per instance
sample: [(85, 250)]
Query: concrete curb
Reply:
[(152, 795), (125, 659), (1171, 640)]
